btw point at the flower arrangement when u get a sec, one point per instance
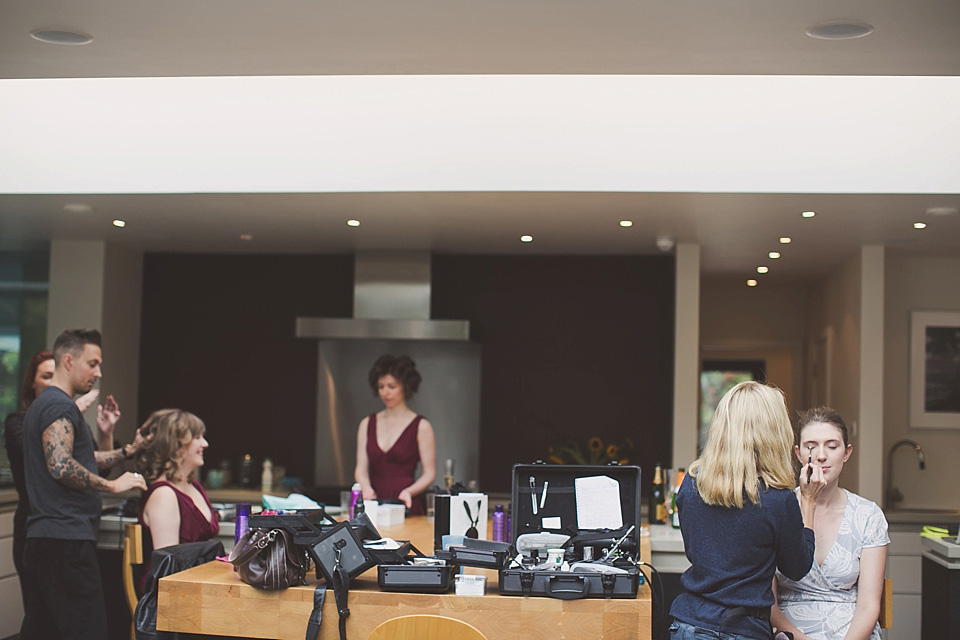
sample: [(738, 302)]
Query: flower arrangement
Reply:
[(571, 452)]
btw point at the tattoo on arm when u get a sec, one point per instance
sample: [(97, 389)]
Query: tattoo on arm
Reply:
[(58, 452), (108, 459)]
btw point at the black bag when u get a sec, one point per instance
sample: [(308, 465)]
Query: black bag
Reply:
[(165, 562), (269, 559)]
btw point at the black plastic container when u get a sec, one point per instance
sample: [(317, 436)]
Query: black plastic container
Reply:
[(415, 578)]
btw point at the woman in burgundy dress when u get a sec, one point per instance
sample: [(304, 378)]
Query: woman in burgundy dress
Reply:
[(175, 508), (391, 442)]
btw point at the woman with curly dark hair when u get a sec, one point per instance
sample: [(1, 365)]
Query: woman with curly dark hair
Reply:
[(393, 441), (175, 508)]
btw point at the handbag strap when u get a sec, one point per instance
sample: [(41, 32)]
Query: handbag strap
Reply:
[(316, 616), (341, 586), (256, 541)]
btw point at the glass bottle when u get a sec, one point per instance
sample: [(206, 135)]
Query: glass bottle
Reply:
[(658, 501), (266, 477)]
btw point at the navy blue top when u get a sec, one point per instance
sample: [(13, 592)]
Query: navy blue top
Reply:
[(56, 510), (734, 554)]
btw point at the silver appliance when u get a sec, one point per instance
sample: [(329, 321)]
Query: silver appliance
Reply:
[(391, 315)]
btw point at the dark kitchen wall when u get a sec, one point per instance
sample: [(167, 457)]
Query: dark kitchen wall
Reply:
[(573, 347), (218, 340)]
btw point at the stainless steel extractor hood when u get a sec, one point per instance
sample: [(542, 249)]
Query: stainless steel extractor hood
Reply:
[(391, 300)]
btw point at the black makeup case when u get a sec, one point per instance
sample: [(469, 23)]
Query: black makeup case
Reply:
[(597, 517)]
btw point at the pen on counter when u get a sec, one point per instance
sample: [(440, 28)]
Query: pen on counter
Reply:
[(533, 494), (543, 497)]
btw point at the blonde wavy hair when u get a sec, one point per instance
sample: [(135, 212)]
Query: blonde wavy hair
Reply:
[(168, 432), (750, 439)]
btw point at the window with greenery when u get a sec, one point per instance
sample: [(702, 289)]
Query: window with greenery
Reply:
[(24, 282), (716, 378)]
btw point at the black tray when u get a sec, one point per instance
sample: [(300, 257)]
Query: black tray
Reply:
[(485, 554), (391, 556), (305, 526)]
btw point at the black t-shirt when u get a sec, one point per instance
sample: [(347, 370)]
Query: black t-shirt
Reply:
[(58, 511)]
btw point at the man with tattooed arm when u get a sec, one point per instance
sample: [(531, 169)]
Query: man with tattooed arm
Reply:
[(62, 468)]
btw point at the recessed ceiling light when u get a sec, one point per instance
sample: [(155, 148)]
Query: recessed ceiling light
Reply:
[(626, 223), (751, 283), (942, 211), (526, 238), (119, 223), (808, 214), (76, 207), (763, 269), (919, 225), (774, 255), (61, 36), (353, 223), (785, 240), (840, 30), (246, 236)]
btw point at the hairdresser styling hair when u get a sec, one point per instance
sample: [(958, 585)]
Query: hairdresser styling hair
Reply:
[(740, 519)]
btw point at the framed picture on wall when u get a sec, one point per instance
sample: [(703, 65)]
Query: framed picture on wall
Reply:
[(935, 369)]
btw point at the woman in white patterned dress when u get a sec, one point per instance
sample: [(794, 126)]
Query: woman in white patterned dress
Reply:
[(840, 597)]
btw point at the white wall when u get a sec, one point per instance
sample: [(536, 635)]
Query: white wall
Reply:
[(918, 284), (758, 323), (686, 354), (833, 306), (96, 285)]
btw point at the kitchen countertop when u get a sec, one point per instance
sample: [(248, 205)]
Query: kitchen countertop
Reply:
[(922, 515)]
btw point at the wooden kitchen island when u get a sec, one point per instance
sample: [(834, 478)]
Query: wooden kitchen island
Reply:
[(211, 599)]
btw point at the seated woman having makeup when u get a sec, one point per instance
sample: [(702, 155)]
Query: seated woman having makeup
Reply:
[(840, 596)]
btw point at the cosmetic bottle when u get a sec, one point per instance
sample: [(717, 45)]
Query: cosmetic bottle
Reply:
[(356, 496), (499, 522)]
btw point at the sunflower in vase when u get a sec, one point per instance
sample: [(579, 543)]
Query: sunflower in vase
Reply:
[(595, 452)]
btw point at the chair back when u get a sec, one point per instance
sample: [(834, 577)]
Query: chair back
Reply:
[(132, 555), (426, 627), (886, 605)]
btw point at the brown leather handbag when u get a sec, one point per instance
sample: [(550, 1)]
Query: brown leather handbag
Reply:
[(268, 559)]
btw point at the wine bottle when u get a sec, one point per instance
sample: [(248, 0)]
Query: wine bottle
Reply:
[(658, 501)]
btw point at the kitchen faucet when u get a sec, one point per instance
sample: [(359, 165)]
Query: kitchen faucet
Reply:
[(893, 495)]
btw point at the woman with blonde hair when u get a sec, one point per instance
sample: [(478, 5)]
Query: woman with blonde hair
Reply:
[(740, 520), (175, 508)]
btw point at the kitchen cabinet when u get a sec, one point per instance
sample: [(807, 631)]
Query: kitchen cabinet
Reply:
[(11, 605), (903, 567)]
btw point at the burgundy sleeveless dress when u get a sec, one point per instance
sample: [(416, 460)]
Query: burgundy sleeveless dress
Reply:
[(392, 471), (194, 526)]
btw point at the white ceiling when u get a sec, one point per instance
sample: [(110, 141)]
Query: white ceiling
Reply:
[(383, 37)]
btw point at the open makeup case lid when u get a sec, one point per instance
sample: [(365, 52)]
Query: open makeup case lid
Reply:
[(575, 500)]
